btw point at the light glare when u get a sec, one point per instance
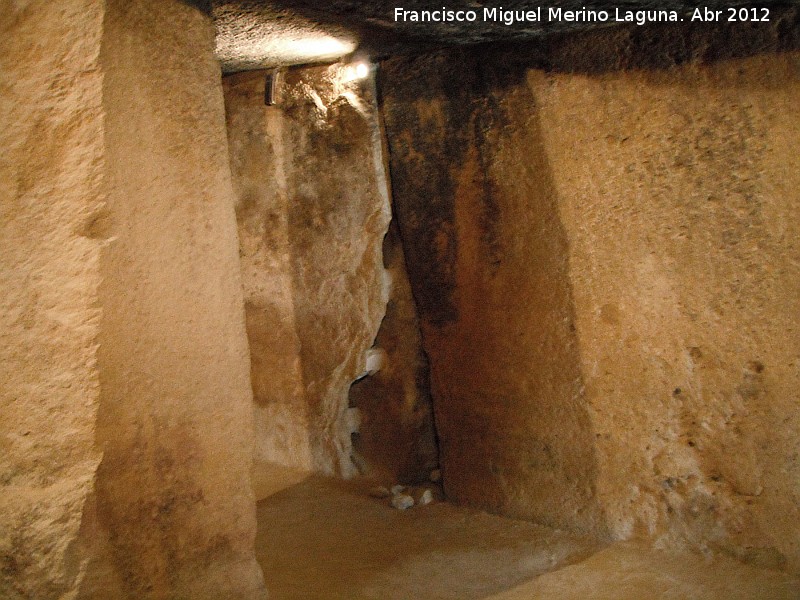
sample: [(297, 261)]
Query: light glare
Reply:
[(318, 47), (354, 71)]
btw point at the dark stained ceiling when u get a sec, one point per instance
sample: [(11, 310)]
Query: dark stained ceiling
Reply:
[(257, 34)]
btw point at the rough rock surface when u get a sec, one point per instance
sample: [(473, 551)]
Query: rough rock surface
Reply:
[(607, 274), (261, 33), (255, 35), (256, 142), (494, 298), (396, 439), (313, 208), (50, 193), (174, 508), (682, 218), (123, 339)]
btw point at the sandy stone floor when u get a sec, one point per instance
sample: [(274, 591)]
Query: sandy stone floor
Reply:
[(322, 538)]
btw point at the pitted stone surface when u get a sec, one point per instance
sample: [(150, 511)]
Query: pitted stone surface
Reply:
[(313, 208), (609, 313), (258, 34)]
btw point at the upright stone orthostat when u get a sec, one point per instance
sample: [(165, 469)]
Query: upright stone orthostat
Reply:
[(127, 410), (607, 270), (313, 208), (51, 194)]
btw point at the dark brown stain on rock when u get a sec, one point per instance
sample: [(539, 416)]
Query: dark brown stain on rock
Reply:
[(468, 119)]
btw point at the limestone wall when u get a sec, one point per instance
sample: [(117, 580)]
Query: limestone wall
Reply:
[(51, 124), (255, 135), (173, 501), (679, 193), (487, 259), (396, 439), (126, 403), (607, 270), (312, 207)]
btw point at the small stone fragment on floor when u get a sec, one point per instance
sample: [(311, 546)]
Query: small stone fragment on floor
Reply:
[(403, 497), (425, 498), (402, 501), (380, 492)]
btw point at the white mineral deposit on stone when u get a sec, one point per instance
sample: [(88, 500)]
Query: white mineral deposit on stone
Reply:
[(376, 359), (353, 419), (398, 489), (402, 501)]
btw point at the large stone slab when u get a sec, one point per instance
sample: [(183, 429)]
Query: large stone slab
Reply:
[(51, 192), (487, 259), (126, 402), (396, 439), (313, 208), (607, 271), (174, 507)]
